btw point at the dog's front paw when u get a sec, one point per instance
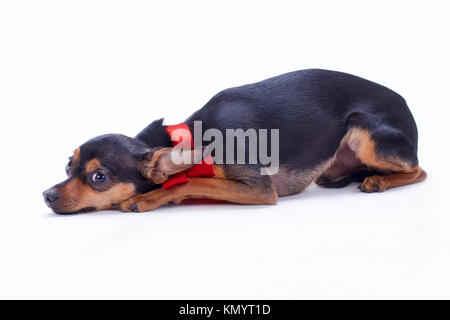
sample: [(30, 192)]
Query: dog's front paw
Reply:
[(145, 202), (129, 206), (373, 184)]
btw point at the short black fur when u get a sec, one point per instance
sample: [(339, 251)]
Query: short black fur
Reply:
[(313, 110)]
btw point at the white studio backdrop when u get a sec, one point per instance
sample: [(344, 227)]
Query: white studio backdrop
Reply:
[(71, 70)]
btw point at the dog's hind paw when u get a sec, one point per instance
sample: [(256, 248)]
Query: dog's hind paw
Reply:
[(372, 184)]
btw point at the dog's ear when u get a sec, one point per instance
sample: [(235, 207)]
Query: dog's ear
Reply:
[(155, 134), (158, 165)]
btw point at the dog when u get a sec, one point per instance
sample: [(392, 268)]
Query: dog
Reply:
[(334, 129)]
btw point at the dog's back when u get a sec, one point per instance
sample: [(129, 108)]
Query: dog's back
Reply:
[(313, 110)]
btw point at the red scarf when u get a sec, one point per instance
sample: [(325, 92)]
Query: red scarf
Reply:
[(203, 169)]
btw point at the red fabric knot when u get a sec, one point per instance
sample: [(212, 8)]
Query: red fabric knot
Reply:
[(181, 137)]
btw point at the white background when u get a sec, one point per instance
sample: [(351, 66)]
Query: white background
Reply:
[(72, 70)]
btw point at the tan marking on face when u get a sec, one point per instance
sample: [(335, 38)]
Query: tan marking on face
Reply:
[(76, 195), (92, 165)]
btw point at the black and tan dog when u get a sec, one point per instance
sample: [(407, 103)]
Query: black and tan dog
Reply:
[(334, 128)]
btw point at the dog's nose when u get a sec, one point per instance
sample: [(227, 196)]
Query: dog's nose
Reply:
[(50, 195)]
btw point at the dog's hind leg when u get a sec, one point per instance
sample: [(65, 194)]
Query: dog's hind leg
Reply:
[(378, 183), (344, 168), (387, 152), (380, 159)]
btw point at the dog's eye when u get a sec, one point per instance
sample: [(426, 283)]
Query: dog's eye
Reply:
[(98, 177)]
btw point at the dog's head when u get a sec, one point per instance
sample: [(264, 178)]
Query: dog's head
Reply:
[(108, 170)]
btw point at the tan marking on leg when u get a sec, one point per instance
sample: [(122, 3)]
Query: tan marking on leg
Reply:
[(160, 166), (360, 141), (209, 188), (398, 172), (219, 172), (382, 183)]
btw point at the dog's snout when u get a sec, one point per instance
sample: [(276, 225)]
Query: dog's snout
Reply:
[(50, 195)]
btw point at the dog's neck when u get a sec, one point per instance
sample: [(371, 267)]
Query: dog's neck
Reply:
[(155, 135)]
